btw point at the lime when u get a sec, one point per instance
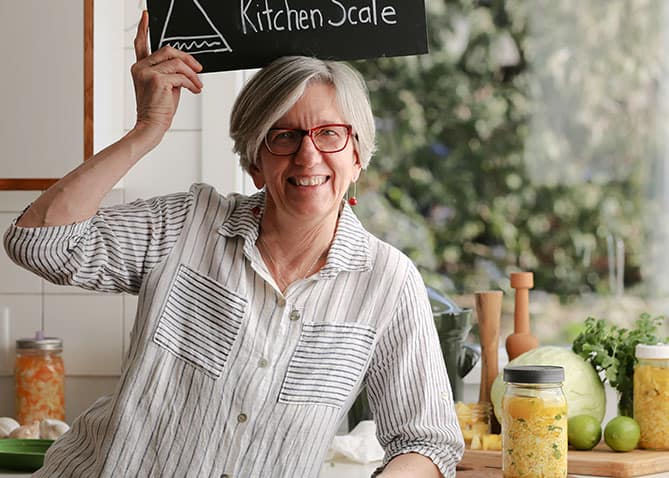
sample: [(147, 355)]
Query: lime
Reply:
[(584, 432), (622, 433)]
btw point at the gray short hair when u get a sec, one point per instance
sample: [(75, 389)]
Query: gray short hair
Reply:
[(277, 87)]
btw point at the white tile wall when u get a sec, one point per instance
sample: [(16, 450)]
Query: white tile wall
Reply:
[(12, 201), (173, 166), (24, 313), (92, 331), (81, 392), (107, 75), (220, 167), (50, 288)]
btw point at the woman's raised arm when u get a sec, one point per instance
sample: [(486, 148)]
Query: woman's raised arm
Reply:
[(158, 79)]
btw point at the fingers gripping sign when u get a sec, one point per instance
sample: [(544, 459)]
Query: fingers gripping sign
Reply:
[(158, 78)]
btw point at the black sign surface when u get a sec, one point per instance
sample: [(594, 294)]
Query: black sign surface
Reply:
[(237, 34)]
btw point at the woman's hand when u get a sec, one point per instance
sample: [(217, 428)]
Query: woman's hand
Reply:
[(158, 79)]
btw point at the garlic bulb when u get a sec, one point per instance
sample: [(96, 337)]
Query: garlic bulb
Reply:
[(26, 431), (50, 428), (7, 426)]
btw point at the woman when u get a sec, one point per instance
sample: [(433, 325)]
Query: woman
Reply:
[(260, 317)]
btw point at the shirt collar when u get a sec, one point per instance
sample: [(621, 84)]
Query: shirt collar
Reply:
[(349, 250)]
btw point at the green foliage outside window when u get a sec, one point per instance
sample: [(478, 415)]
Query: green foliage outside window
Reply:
[(525, 139)]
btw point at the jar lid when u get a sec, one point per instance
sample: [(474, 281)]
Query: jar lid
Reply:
[(534, 374), (46, 343), (658, 351)]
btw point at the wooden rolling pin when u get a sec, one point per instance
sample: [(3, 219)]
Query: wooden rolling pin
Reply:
[(521, 340), (488, 313)]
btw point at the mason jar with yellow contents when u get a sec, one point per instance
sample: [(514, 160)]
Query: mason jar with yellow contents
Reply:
[(651, 395), (534, 422)]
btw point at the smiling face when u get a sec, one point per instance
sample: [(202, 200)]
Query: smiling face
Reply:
[(307, 186)]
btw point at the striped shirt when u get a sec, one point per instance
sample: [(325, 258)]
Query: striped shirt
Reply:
[(226, 376)]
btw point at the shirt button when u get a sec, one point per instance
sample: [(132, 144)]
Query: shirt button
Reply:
[(295, 315), (241, 418), (281, 301), (262, 363)]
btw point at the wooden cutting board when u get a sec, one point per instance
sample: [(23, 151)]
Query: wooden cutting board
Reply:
[(600, 461)]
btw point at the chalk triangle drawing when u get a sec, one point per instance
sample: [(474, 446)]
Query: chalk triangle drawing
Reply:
[(208, 39)]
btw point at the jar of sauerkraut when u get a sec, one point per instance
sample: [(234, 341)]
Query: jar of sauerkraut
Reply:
[(651, 395), (40, 379), (534, 422)]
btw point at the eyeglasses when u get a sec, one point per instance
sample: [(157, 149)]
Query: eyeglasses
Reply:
[(327, 138)]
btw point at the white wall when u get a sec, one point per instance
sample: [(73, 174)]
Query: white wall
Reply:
[(95, 327)]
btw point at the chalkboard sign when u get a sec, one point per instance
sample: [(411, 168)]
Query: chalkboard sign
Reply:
[(238, 34)]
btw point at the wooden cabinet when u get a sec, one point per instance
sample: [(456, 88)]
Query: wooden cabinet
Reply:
[(46, 90)]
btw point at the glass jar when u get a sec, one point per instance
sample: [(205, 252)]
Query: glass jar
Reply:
[(40, 379), (651, 395), (534, 422)]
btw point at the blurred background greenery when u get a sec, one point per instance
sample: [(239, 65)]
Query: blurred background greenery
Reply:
[(531, 137)]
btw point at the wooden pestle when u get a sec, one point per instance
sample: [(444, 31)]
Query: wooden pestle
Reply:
[(488, 313), (521, 340)]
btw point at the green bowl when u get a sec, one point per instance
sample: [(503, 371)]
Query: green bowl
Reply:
[(22, 454)]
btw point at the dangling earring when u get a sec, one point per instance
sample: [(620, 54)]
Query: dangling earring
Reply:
[(353, 200)]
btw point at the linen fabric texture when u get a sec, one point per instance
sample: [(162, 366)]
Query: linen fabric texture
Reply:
[(224, 374)]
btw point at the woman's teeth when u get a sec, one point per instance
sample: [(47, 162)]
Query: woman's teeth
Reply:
[(309, 180)]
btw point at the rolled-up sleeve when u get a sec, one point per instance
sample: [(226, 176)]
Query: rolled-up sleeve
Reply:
[(408, 386), (109, 252)]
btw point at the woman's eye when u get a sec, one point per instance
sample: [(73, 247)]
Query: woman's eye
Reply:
[(284, 136)]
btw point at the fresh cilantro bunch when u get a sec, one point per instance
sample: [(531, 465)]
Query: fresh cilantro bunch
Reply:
[(610, 350)]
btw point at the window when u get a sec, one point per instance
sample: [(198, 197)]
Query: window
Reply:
[(532, 137)]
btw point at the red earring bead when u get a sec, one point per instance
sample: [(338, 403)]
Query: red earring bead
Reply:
[(353, 201)]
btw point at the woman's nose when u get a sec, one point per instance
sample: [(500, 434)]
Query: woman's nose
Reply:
[(308, 154)]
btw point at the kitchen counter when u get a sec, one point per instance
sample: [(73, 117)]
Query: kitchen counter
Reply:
[(337, 469), (343, 469), (354, 470)]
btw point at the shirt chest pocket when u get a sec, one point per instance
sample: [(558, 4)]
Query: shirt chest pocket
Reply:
[(327, 364), (200, 321)]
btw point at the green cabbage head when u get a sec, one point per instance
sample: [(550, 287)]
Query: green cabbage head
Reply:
[(582, 386)]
